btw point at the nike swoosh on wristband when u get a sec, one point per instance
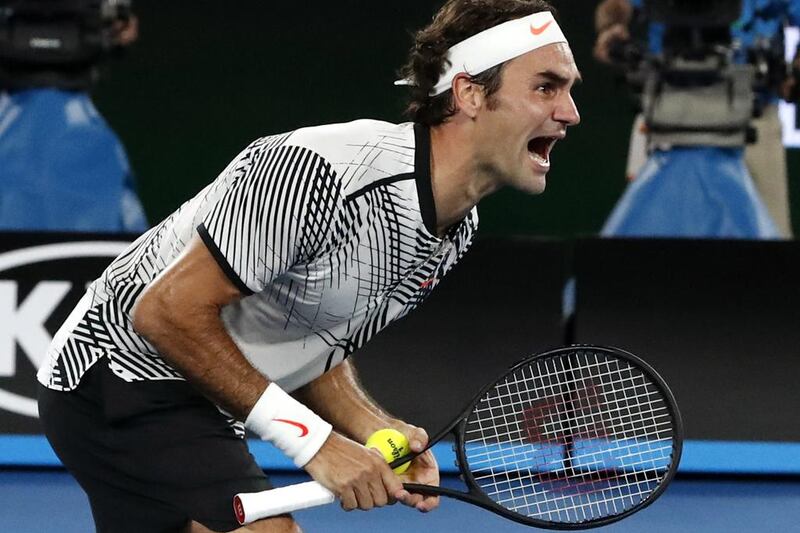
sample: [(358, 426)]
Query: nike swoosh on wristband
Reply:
[(540, 30), (303, 427)]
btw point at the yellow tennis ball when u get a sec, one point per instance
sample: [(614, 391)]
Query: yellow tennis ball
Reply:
[(392, 444)]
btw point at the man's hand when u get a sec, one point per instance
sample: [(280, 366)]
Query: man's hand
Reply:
[(125, 32), (788, 89), (606, 40), (359, 477), (423, 470), (611, 12), (358, 416)]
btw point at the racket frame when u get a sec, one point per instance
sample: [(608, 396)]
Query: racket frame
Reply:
[(476, 496)]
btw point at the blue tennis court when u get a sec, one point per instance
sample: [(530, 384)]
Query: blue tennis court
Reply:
[(37, 501), (721, 487)]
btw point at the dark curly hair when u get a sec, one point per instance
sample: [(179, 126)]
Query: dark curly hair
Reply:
[(455, 21)]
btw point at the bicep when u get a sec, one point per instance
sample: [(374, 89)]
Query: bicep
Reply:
[(179, 313), (193, 284)]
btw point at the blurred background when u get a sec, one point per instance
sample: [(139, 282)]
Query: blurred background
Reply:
[(208, 77)]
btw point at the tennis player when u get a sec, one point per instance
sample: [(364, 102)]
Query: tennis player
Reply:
[(241, 308)]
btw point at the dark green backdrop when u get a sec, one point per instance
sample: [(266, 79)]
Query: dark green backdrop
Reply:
[(208, 76)]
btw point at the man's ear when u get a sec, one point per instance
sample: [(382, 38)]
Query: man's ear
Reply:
[(468, 96)]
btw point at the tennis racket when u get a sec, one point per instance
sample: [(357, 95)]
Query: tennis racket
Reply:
[(572, 438)]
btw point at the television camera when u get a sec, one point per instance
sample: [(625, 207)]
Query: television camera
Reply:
[(703, 88), (56, 43)]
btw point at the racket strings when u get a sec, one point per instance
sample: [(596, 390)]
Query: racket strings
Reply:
[(656, 405), (581, 421), (559, 461), (571, 438), (657, 430)]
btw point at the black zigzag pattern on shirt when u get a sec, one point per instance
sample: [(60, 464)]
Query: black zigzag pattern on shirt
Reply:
[(277, 217), (328, 268), (105, 329), (406, 263), (89, 341)]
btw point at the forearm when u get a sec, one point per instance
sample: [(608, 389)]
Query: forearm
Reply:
[(196, 343), (339, 397), (180, 314), (199, 346)]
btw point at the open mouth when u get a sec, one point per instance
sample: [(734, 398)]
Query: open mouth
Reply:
[(540, 147)]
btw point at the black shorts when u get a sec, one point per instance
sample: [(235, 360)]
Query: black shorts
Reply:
[(150, 455)]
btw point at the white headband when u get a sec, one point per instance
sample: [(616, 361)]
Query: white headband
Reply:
[(497, 45)]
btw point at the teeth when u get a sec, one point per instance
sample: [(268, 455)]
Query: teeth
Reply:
[(539, 159), (546, 143)]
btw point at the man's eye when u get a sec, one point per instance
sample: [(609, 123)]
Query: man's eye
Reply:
[(545, 88)]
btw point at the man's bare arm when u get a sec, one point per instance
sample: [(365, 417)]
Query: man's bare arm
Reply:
[(340, 398), (179, 313)]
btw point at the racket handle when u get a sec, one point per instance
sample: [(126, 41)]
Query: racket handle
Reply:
[(256, 505)]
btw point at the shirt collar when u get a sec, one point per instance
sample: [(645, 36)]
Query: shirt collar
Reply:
[(422, 174)]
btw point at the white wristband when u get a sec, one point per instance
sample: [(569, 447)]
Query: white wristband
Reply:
[(291, 426)]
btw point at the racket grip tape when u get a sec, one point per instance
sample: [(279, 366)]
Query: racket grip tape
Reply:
[(253, 506)]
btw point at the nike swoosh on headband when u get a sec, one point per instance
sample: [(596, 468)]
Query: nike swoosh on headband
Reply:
[(540, 30), (496, 45)]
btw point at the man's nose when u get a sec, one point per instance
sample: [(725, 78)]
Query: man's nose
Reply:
[(566, 112)]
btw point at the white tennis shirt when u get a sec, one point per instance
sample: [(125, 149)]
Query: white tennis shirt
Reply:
[(328, 231)]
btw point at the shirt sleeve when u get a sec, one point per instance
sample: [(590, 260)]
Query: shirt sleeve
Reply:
[(272, 209)]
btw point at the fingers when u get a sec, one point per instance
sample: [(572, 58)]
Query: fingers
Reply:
[(348, 500), (380, 492), (417, 438), (391, 485), (360, 477), (427, 460), (374, 486), (602, 48), (424, 471), (420, 502), (428, 504), (408, 498), (364, 496)]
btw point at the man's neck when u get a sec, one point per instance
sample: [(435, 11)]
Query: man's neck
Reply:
[(457, 180)]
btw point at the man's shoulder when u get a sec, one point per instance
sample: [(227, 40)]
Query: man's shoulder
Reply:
[(362, 151), (337, 137), (351, 157)]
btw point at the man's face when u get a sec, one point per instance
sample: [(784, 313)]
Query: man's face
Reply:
[(527, 115)]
